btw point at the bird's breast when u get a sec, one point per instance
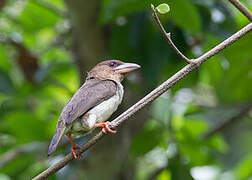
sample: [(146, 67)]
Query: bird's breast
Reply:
[(105, 109)]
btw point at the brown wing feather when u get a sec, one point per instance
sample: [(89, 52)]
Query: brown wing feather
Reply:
[(90, 94)]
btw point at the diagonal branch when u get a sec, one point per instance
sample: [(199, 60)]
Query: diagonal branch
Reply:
[(148, 99), (168, 36), (243, 111), (244, 10)]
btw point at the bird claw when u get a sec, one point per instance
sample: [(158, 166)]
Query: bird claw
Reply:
[(74, 147), (105, 127), (75, 154)]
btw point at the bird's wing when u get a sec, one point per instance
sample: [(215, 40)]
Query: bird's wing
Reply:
[(90, 94)]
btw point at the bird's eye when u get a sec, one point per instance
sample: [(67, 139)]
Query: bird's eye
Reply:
[(113, 64)]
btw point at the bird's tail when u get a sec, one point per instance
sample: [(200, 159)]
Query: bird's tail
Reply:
[(55, 140)]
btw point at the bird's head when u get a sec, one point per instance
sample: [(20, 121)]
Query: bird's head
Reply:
[(112, 69)]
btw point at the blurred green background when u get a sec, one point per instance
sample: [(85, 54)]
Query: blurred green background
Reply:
[(200, 129)]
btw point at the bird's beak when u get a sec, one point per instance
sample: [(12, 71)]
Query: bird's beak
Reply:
[(126, 68)]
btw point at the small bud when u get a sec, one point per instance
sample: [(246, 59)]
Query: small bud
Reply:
[(152, 7)]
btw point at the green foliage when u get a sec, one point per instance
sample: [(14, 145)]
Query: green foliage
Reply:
[(244, 170), (172, 135), (148, 134), (32, 124), (165, 175), (111, 9), (33, 13), (182, 9)]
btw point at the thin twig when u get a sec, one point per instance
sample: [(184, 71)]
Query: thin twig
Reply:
[(148, 99), (243, 9), (243, 111), (168, 37)]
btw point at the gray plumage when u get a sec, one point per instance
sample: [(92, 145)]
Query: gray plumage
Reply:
[(91, 93), (93, 103)]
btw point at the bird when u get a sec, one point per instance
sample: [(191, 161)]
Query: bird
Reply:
[(93, 103)]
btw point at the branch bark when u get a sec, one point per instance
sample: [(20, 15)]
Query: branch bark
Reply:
[(148, 99), (243, 9)]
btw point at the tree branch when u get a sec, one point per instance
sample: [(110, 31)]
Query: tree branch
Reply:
[(242, 8), (168, 36), (148, 99), (243, 111)]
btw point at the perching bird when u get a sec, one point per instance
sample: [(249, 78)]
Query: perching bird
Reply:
[(95, 101)]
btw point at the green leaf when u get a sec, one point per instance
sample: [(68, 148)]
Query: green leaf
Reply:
[(236, 84), (219, 143), (164, 175), (186, 15), (35, 17), (23, 124), (195, 126), (178, 122), (226, 69), (244, 167), (111, 9), (163, 8)]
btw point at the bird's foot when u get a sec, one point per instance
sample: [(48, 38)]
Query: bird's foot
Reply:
[(74, 147), (75, 154), (105, 127)]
